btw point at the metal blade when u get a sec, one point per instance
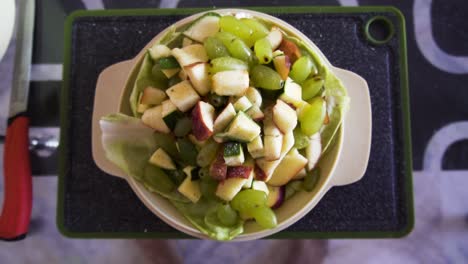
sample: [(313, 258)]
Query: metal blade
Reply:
[(23, 56)]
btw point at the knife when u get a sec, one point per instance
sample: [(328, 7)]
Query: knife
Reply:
[(17, 205)]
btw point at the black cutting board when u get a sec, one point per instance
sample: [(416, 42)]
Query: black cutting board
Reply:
[(94, 204)]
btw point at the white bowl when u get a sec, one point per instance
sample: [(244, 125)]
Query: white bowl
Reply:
[(344, 164)]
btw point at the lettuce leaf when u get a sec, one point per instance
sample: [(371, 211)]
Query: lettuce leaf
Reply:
[(129, 144), (144, 79)]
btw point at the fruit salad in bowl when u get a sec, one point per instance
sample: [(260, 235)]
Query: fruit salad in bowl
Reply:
[(229, 116)]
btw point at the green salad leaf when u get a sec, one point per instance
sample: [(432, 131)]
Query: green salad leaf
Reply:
[(129, 144), (143, 80)]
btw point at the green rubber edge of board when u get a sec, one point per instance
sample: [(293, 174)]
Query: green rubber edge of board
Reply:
[(405, 228)]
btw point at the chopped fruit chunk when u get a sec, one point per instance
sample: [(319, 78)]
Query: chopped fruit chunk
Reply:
[(198, 74), (202, 120), (233, 82), (183, 95), (154, 119), (284, 117), (291, 165), (189, 55)]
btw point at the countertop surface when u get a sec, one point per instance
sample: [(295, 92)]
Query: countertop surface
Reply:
[(437, 34)]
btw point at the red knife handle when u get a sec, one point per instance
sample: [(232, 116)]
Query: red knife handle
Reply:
[(17, 205)]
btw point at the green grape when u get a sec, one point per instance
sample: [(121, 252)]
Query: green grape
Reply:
[(227, 64), (292, 187), (226, 215), (263, 51), (312, 116), (258, 29), (264, 216), (266, 78), (204, 173), (187, 151), (311, 179), (207, 153), (157, 179), (236, 47), (248, 199), (215, 48), (183, 127), (300, 139), (177, 176), (235, 26), (311, 87), (301, 69)]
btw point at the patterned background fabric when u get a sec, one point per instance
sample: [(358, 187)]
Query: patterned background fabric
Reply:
[(437, 40)]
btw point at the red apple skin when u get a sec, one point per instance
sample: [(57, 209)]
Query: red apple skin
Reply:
[(280, 198), (218, 169), (282, 65), (199, 128), (290, 49), (239, 172), (259, 173)]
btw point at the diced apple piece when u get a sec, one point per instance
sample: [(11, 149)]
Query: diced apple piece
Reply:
[(183, 75), (260, 186), (256, 148), (159, 51), (284, 117), (275, 37), (154, 119), (242, 104), (292, 93), (282, 65), (275, 196), (161, 159), (186, 42), (248, 183), (198, 74), (254, 96), (291, 165), (202, 120), (142, 108), (313, 151), (170, 72), (183, 95), (239, 172), (168, 107), (204, 27), (264, 169), (190, 189), (243, 129), (234, 82), (300, 175), (224, 118), (152, 96), (290, 49), (228, 188), (255, 113), (218, 168), (189, 55), (272, 147), (269, 126)]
